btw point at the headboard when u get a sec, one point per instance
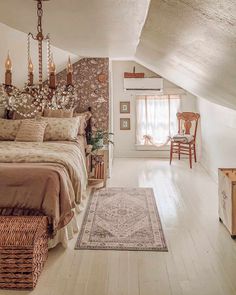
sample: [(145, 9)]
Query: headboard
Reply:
[(88, 128)]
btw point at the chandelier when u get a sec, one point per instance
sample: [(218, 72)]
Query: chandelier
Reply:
[(33, 98)]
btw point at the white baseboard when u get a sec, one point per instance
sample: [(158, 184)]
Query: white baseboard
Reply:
[(207, 167), (142, 154)]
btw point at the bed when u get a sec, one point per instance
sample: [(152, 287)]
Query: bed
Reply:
[(44, 178)]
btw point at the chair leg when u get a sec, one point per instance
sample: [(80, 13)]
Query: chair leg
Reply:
[(190, 156), (171, 152), (195, 154), (179, 150)]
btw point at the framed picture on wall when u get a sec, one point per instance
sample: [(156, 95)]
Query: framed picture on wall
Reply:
[(124, 123), (125, 107)]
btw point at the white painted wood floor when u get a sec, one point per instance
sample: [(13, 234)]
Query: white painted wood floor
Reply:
[(201, 258)]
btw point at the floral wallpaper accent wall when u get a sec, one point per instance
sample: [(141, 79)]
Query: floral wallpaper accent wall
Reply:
[(91, 77)]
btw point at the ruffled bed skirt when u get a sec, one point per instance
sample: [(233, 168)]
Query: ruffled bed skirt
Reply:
[(67, 233), (64, 234)]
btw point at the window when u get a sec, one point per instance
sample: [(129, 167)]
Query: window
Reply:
[(156, 118)]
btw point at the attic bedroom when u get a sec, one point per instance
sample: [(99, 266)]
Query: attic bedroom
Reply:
[(117, 147)]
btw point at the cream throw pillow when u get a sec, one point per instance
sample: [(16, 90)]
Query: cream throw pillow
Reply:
[(9, 129), (58, 113), (17, 116), (31, 131), (82, 126), (87, 115), (84, 117), (61, 129)]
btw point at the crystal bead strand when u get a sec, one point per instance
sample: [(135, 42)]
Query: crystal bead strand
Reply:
[(48, 53), (28, 52)]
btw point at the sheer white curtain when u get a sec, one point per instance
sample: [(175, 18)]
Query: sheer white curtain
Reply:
[(156, 118)]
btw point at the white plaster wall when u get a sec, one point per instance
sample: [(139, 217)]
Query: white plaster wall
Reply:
[(218, 128), (125, 140), (16, 42)]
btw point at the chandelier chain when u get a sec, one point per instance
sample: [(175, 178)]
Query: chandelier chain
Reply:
[(40, 40), (40, 49), (40, 15)]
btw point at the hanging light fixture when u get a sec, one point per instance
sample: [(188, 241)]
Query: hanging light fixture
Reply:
[(34, 98)]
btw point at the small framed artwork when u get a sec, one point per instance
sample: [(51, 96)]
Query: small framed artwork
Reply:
[(124, 123), (125, 107)]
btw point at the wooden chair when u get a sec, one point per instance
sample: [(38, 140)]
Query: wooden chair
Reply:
[(185, 121)]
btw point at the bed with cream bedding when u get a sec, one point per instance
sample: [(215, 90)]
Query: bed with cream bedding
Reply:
[(46, 178)]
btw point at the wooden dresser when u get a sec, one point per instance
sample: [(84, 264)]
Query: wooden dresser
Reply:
[(227, 199)]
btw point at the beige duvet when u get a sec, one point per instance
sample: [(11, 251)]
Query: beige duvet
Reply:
[(42, 178)]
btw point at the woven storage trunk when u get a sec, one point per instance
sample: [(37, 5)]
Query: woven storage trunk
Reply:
[(23, 250)]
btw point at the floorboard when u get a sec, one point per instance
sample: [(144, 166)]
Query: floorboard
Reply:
[(201, 258)]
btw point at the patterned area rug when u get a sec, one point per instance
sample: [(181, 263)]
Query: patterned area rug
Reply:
[(122, 219)]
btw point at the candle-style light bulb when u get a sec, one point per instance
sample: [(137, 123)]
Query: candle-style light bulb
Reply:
[(52, 67), (8, 63), (30, 66), (8, 72), (52, 74), (69, 66), (30, 72), (69, 72)]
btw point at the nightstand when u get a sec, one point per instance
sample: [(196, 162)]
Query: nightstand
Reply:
[(98, 167)]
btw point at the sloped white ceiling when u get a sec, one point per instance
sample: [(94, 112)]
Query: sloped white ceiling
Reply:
[(193, 44), (98, 28)]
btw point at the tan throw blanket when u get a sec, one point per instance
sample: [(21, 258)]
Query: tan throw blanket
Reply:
[(47, 177)]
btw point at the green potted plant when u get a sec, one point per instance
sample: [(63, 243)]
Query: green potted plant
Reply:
[(99, 138)]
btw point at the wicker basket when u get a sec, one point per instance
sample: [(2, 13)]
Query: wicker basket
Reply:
[(23, 250)]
